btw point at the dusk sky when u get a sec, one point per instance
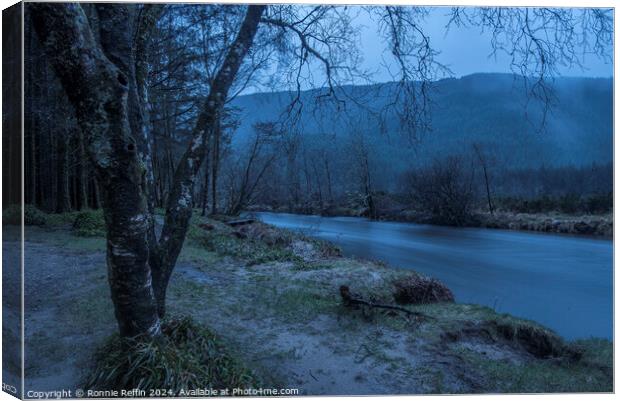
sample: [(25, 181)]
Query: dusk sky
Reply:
[(464, 50)]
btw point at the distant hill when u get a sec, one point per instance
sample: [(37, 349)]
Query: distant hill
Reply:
[(489, 109)]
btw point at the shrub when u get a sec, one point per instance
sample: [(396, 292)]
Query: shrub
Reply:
[(89, 223), (416, 289), (603, 203), (569, 204), (187, 356), (32, 215), (444, 190)]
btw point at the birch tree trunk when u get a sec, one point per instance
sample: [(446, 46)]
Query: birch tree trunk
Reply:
[(180, 200), (98, 90), (104, 82)]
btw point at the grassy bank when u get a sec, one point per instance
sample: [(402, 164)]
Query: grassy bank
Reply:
[(552, 222), (600, 225), (271, 298)]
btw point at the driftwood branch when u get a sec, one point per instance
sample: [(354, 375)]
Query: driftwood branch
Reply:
[(349, 300)]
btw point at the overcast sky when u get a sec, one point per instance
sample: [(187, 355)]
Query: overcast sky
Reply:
[(464, 50)]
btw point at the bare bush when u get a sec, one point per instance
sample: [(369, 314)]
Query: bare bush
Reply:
[(417, 289), (445, 190)]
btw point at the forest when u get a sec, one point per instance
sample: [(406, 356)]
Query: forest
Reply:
[(159, 139)]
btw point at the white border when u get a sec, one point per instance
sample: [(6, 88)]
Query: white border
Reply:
[(538, 3)]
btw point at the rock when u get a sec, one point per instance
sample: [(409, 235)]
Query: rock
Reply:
[(416, 289)]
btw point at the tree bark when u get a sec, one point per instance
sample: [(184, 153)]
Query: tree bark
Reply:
[(217, 137), (98, 90), (205, 186)]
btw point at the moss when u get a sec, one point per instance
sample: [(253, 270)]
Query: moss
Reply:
[(89, 223), (186, 356), (32, 216)]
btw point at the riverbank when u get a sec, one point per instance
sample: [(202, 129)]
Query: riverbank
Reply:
[(593, 225), (272, 297), (600, 225)]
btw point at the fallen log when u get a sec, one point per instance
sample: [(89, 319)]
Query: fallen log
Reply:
[(240, 222), (348, 299)]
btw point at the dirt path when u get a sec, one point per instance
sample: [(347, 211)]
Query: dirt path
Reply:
[(283, 321)]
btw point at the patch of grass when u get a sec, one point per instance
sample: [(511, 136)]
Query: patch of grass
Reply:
[(256, 244), (187, 290), (298, 304), (197, 254), (457, 320), (309, 266), (326, 248), (265, 254), (89, 223), (595, 352), (32, 216), (537, 376), (72, 242), (186, 356), (254, 252), (96, 307)]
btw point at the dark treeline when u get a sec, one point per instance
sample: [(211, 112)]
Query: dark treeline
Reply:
[(58, 176), (347, 176)]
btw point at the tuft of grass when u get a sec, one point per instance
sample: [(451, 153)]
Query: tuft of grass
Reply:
[(89, 223), (186, 356), (32, 216)]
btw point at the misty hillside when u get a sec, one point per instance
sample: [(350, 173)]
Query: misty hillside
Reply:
[(487, 109)]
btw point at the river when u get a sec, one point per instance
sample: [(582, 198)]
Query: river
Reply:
[(564, 282)]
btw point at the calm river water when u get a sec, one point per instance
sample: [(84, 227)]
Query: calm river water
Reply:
[(564, 282)]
